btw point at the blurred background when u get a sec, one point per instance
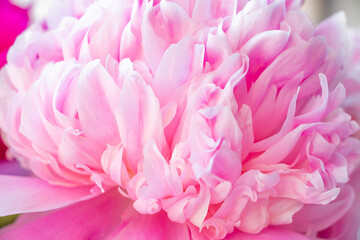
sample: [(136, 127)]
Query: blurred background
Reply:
[(320, 9)]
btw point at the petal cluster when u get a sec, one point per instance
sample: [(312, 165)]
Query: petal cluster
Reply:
[(219, 115)]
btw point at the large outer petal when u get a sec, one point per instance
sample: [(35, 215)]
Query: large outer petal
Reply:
[(268, 234), (26, 194), (93, 219), (150, 227), (12, 168)]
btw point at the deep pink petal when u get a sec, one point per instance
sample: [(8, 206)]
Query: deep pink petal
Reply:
[(92, 219), (143, 227), (271, 233), (23, 194), (12, 168)]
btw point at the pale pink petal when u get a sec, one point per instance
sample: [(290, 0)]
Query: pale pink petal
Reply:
[(161, 26), (254, 217), (76, 149), (175, 65), (112, 161), (197, 208), (333, 29), (32, 126), (281, 210), (261, 19), (263, 48), (143, 113), (97, 98), (310, 56), (218, 48), (162, 180), (104, 40), (306, 30)]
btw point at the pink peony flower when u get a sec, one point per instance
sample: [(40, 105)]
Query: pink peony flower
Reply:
[(179, 120)]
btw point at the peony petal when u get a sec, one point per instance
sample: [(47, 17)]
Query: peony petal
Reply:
[(262, 49), (104, 40), (143, 227), (23, 194), (197, 208), (306, 30), (73, 222), (313, 218), (334, 30), (310, 56), (261, 19), (140, 121), (175, 65), (270, 233), (281, 210), (162, 180), (12, 168), (234, 204), (32, 126), (77, 149), (97, 98), (112, 161), (162, 25)]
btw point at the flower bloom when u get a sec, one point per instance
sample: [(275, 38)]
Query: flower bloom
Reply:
[(179, 119)]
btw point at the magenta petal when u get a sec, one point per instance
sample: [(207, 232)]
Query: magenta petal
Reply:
[(92, 219), (23, 194), (144, 227), (268, 234), (12, 168)]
